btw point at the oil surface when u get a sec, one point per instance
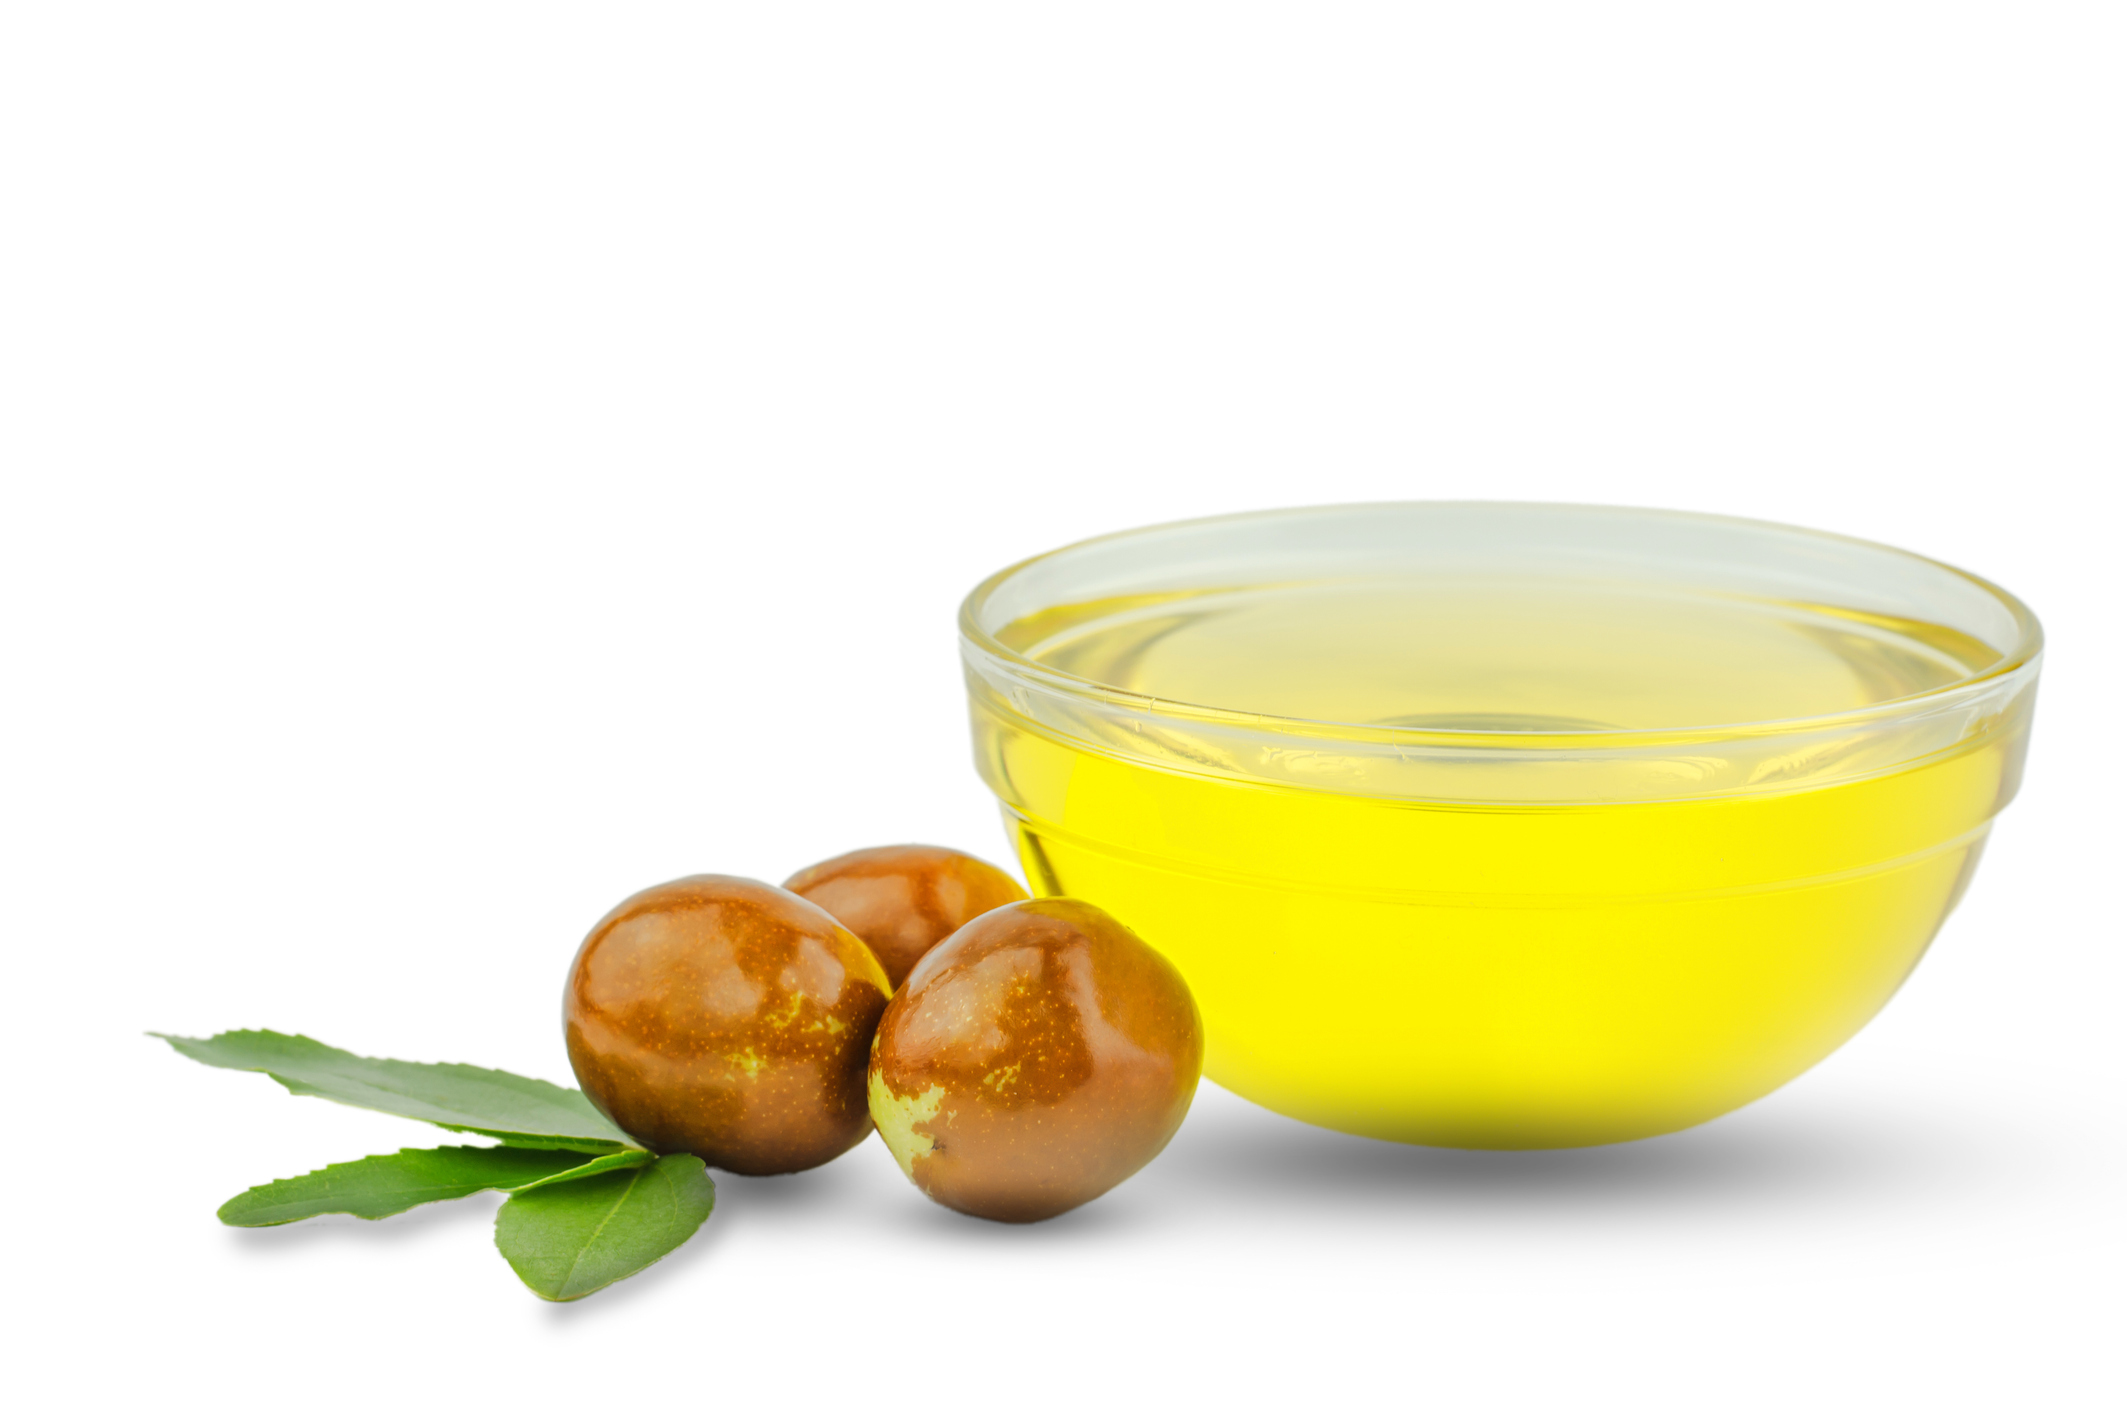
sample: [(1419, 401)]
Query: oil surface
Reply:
[(1523, 973), (1468, 653)]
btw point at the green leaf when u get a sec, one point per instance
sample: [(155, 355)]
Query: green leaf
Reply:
[(518, 1110), (567, 1240), (604, 1164), (383, 1185)]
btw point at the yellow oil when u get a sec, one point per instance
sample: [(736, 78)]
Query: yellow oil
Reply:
[(1607, 944)]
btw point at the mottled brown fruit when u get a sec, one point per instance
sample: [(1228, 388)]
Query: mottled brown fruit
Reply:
[(902, 900), (1033, 1061), (729, 1019)]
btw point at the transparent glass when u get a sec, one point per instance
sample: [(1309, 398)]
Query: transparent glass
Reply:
[(1505, 825)]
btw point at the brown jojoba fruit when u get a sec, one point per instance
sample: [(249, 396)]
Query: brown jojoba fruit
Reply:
[(901, 900), (1033, 1061), (729, 1019)]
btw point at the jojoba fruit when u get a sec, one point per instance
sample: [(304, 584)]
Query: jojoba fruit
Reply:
[(1033, 1061), (901, 900), (729, 1019)]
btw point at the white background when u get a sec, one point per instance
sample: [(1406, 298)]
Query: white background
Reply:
[(466, 462)]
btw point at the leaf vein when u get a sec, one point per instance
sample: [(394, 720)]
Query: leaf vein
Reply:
[(634, 1178)]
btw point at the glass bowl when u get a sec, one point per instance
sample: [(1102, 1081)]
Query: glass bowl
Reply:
[(1505, 825)]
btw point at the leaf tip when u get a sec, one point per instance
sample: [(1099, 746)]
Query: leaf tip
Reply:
[(233, 1214)]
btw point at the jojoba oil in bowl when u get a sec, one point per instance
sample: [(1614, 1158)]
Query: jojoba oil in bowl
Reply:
[(1505, 825)]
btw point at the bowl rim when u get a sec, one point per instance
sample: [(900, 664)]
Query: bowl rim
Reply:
[(2023, 657)]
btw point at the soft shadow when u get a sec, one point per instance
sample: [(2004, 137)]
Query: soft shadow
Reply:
[(1751, 1157), (617, 1297), (777, 1193), (738, 1197), (1105, 1217)]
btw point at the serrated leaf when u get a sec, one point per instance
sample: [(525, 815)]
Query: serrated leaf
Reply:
[(567, 1240), (604, 1164), (520, 1110), (383, 1185)]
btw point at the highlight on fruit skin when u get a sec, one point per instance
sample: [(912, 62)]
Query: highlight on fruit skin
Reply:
[(903, 900), (1033, 1061), (726, 1018)]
